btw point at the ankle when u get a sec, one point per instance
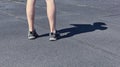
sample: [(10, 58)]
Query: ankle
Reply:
[(53, 31), (32, 30)]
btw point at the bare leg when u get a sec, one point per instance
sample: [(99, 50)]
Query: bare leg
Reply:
[(30, 11), (51, 13)]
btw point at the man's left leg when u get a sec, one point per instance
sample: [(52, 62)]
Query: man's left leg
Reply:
[(51, 13)]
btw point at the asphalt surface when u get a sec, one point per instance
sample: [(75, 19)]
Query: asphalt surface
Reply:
[(90, 35)]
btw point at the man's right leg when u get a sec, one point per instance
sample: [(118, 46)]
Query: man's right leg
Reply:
[(30, 11)]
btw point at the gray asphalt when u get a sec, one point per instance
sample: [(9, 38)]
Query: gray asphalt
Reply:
[(89, 31)]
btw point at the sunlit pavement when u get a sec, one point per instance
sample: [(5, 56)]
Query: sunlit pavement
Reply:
[(89, 35)]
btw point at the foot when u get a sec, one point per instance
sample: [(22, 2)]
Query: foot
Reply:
[(32, 35), (53, 36)]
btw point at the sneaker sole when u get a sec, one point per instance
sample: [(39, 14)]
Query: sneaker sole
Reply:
[(52, 39), (31, 38)]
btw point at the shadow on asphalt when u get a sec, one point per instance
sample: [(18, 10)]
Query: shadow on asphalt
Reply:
[(78, 29)]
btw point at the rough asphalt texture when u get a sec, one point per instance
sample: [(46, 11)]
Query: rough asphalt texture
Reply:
[(90, 35)]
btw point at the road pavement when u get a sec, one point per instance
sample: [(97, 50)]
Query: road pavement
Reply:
[(89, 35)]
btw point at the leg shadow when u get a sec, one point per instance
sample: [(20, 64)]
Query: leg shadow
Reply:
[(81, 28)]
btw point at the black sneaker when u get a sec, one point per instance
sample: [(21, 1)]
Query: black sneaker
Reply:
[(32, 35), (53, 36)]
